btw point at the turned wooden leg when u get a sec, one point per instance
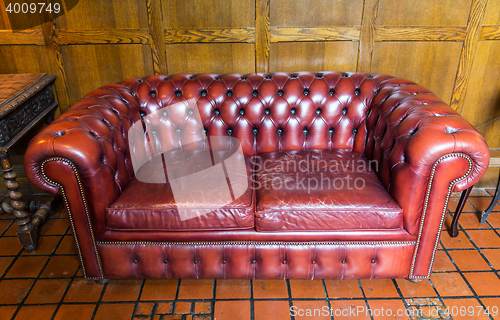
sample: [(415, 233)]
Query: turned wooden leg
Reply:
[(458, 212), (26, 234)]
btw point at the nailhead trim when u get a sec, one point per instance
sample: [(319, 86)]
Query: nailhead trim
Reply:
[(216, 243), (70, 215), (443, 214)]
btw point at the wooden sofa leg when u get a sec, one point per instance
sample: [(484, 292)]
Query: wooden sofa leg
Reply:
[(102, 281), (458, 211), (415, 280)]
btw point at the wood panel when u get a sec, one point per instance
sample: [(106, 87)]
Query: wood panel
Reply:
[(431, 64), (483, 92), (91, 66), (217, 58), (182, 14), (423, 13), (315, 13), (492, 14), (313, 56), (23, 59)]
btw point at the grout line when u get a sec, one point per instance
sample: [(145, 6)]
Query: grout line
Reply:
[(252, 306), (364, 297), (327, 298), (290, 303)]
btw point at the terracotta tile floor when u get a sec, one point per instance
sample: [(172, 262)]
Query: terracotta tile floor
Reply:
[(48, 284)]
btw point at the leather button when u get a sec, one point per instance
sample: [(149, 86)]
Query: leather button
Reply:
[(136, 261), (305, 131), (216, 112), (223, 261), (293, 111), (229, 131), (354, 131), (165, 261), (343, 261), (284, 261), (375, 92), (61, 133), (153, 133), (318, 111), (313, 262), (243, 78), (267, 111), (203, 93), (142, 114), (344, 111), (140, 80), (280, 132), (255, 131), (306, 92), (178, 131), (255, 93), (368, 112), (345, 75), (229, 93), (204, 131), (164, 113), (331, 131), (242, 112), (190, 112), (178, 93), (196, 261), (280, 93), (254, 261), (356, 92), (152, 93), (319, 76), (103, 160), (331, 92), (373, 260), (93, 133)]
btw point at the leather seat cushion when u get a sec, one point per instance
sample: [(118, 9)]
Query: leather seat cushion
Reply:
[(148, 202), (321, 190)]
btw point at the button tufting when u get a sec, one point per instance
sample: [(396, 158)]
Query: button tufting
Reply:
[(164, 113), (93, 133), (269, 77), (345, 75), (293, 111), (103, 160), (178, 131), (153, 133), (356, 92), (284, 261), (204, 131), (354, 131), (344, 111), (196, 261), (280, 132), (313, 262), (62, 133), (229, 131), (305, 131), (190, 112), (229, 93), (373, 260), (331, 131), (368, 112), (242, 112), (243, 78), (165, 261), (223, 261), (319, 76), (203, 93), (142, 114), (375, 92), (255, 93), (280, 93), (343, 261), (332, 92), (255, 131), (254, 261), (267, 111), (306, 92), (318, 111), (140, 80), (370, 76), (178, 93), (152, 93), (216, 111), (136, 261)]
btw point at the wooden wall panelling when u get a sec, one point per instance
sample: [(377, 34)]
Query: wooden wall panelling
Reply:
[(207, 35), (262, 35), (91, 66), (157, 43), (313, 56), (482, 101), (432, 64), (8, 37), (472, 36), (366, 39), (492, 13), (23, 59)]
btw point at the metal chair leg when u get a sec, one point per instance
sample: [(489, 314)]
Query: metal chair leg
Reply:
[(485, 214), (458, 212)]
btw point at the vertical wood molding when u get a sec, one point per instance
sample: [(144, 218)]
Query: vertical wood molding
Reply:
[(472, 35), (262, 35), (367, 36), (54, 54), (157, 43)]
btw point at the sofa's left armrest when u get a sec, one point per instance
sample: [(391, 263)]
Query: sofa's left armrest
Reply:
[(424, 151)]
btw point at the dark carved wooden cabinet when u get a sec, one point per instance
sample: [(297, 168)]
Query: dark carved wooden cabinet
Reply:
[(25, 99)]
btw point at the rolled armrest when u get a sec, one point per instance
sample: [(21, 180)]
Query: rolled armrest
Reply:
[(91, 137), (424, 150)]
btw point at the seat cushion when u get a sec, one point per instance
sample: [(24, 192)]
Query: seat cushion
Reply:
[(190, 194), (321, 190)]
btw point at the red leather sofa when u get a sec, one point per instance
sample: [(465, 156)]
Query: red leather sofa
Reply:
[(420, 151)]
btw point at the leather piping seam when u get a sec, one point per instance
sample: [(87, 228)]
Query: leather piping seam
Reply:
[(443, 214), (80, 187), (215, 243)]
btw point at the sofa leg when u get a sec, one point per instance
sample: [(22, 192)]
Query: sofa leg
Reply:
[(102, 281), (415, 280)]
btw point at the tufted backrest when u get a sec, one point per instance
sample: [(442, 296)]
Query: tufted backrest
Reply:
[(265, 112)]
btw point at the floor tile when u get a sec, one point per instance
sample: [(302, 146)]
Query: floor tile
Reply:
[(388, 309), (61, 267), (182, 307), (494, 219), (35, 312), (379, 288), (144, 308), (9, 246), (46, 246), (82, 290), (349, 309), (5, 263), (196, 289), (67, 246), (276, 310), (348, 288), (484, 238), (232, 289), (482, 203), (492, 307), (75, 312), (419, 289), (47, 291), (114, 311), (465, 309), (8, 227), (122, 290), (27, 267), (493, 256), (14, 291), (312, 309), (450, 284), (472, 221), (469, 260), (164, 307), (442, 262), (54, 227), (484, 283), (202, 307), (452, 205), (230, 310), (159, 289), (268, 289), (307, 289), (6, 312), (460, 242)]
